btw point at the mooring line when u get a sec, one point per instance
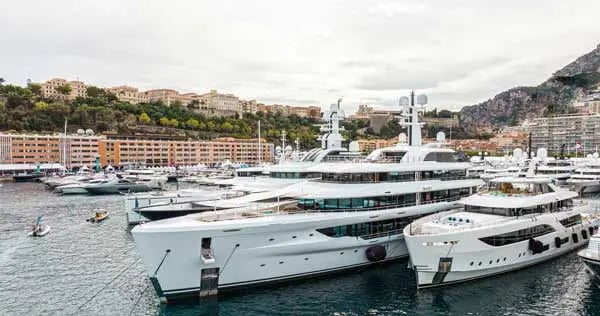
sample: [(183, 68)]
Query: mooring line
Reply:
[(106, 285)]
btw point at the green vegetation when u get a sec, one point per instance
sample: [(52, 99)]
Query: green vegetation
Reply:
[(23, 109)]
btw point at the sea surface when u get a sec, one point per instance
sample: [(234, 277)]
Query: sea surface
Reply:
[(93, 269)]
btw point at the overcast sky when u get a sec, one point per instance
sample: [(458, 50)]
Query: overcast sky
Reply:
[(299, 52)]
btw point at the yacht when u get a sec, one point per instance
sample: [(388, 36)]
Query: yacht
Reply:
[(587, 178), (147, 177), (558, 170), (352, 216), (511, 224), (492, 173), (116, 186), (79, 186), (591, 255)]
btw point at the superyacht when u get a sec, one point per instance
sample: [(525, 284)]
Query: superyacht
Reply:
[(352, 216)]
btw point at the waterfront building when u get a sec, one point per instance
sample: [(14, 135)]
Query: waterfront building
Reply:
[(72, 151), (578, 132), (182, 152), (128, 94), (78, 89)]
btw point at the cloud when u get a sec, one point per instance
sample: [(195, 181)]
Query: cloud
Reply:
[(301, 52)]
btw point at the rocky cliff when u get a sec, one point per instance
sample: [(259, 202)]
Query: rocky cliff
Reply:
[(555, 95)]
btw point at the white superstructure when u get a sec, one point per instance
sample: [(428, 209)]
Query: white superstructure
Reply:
[(513, 223), (559, 170), (351, 216), (591, 255), (587, 178)]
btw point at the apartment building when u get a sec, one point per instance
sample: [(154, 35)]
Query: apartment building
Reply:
[(49, 89), (166, 96), (218, 104), (579, 132), (128, 94), (368, 145), (72, 151), (179, 152)]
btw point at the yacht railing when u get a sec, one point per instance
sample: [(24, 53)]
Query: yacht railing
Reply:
[(382, 234)]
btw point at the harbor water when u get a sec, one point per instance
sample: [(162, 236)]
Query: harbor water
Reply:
[(82, 268)]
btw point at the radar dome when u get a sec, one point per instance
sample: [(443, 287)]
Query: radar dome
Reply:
[(518, 153), (353, 146), (80, 131), (278, 148), (421, 99), (589, 156), (89, 131), (542, 153), (404, 101), (288, 149), (440, 137), (402, 138), (595, 155)]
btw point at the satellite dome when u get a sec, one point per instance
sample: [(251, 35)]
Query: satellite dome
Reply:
[(353, 146), (288, 148), (518, 153), (542, 153), (440, 137), (80, 131), (277, 148), (402, 138), (89, 131), (421, 99), (595, 155), (404, 101), (589, 156)]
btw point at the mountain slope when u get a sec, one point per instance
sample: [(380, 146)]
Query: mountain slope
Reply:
[(555, 95)]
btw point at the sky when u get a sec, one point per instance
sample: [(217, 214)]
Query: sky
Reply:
[(300, 52)]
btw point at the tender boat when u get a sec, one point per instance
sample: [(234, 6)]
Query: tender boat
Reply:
[(98, 217), (511, 224), (116, 187), (591, 255), (39, 229), (28, 177)]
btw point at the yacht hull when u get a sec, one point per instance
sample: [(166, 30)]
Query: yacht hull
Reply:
[(270, 252), (112, 189), (438, 264), (73, 190)]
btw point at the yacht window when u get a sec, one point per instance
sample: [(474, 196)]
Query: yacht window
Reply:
[(571, 220), (440, 157), (369, 230), (517, 235)]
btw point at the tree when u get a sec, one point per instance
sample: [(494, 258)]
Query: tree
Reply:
[(164, 121), (65, 89), (41, 106), (176, 104), (144, 118), (94, 92), (1, 81), (227, 127), (35, 88), (174, 122), (193, 123)]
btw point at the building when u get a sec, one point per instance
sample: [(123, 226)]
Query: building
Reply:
[(579, 132), (440, 121), (49, 89), (166, 96), (128, 94), (305, 111), (181, 152), (368, 145), (507, 142), (364, 112), (72, 151), (249, 106), (218, 104)]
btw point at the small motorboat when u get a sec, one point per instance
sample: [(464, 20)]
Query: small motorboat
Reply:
[(98, 217), (39, 229)]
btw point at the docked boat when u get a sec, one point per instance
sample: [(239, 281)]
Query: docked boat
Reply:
[(351, 216), (587, 178), (28, 177), (591, 255), (98, 217), (511, 224), (558, 170), (117, 186)]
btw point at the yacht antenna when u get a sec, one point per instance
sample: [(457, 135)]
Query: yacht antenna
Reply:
[(410, 117), (282, 158), (331, 137)]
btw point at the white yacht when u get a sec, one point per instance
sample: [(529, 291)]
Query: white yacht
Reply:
[(352, 216), (512, 171), (512, 224), (558, 170), (587, 178), (591, 255), (79, 187), (146, 176)]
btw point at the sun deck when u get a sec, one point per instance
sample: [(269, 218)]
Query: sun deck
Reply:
[(454, 221)]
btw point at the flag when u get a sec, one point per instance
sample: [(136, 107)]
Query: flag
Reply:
[(578, 145), (39, 220)]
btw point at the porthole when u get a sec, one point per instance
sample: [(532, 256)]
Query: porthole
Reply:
[(498, 260), (341, 253), (479, 262), (311, 235), (519, 255), (504, 259), (490, 261), (472, 262), (280, 262), (355, 250), (262, 265), (305, 258), (293, 237), (271, 239)]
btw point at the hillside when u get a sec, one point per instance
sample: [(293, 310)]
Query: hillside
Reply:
[(555, 96), (23, 109)]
